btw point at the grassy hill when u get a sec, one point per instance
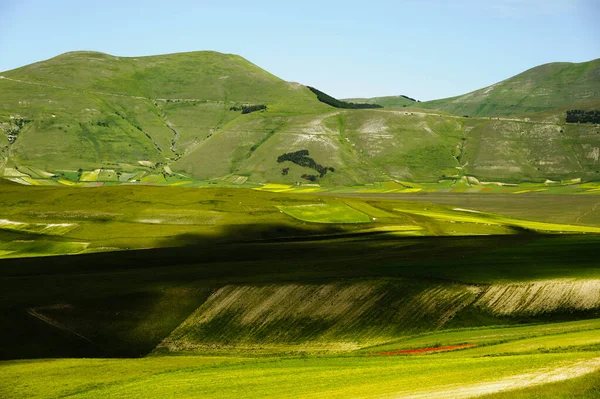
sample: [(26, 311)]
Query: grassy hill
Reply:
[(89, 110), (387, 102), (89, 117), (538, 89)]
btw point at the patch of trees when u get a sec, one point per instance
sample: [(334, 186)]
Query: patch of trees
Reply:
[(301, 158), (334, 102), (285, 171), (247, 109), (21, 122), (102, 123), (312, 178), (409, 98), (13, 129), (581, 116)]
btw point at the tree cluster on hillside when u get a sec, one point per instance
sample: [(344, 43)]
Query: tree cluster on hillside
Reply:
[(409, 98), (581, 116), (13, 128), (301, 158), (312, 178), (334, 102), (247, 109)]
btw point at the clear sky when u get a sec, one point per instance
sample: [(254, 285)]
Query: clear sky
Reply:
[(424, 49)]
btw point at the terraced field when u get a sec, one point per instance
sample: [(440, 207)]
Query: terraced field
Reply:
[(543, 296), (330, 317)]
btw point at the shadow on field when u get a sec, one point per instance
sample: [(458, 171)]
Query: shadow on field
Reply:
[(122, 304), (255, 232)]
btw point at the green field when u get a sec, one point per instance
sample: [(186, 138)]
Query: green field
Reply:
[(223, 292), (328, 377), (326, 213)]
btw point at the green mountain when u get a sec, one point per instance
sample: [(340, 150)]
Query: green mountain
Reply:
[(93, 117), (542, 88), (87, 109)]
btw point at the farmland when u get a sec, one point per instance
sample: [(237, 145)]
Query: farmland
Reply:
[(328, 377), (224, 292)]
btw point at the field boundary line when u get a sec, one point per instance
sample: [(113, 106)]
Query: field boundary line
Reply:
[(49, 321)]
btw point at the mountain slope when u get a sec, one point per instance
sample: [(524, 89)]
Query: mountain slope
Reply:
[(387, 102), (538, 89), (180, 116), (93, 110), (203, 75)]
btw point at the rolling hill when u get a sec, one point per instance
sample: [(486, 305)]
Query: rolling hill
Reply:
[(87, 117), (388, 101), (542, 88)]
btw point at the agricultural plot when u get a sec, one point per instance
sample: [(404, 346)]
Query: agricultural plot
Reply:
[(228, 272), (90, 176), (329, 212), (177, 217), (316, 317), (275, 188), (107, 175), (460, 215), (492, 337), (154, 179), (55, 229), (31, 248), (541, 297)]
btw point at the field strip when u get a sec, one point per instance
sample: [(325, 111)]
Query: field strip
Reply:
[(540, 296), (37, 228), (55, 324), (544, 376)]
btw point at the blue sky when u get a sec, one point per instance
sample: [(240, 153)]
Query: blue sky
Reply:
[(424, 49)]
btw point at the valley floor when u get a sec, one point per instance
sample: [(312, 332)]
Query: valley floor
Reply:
[(225, 293)]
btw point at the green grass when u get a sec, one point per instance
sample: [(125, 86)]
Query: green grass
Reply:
[(329, 212), (586, 387), (503, 341), (328, 377), (460, 215)]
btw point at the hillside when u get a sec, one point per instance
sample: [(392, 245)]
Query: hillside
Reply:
[(542, 88), (90, 110), (93, 118), (387, 102)]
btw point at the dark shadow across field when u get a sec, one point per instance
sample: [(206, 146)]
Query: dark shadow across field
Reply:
[(124, 303)]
